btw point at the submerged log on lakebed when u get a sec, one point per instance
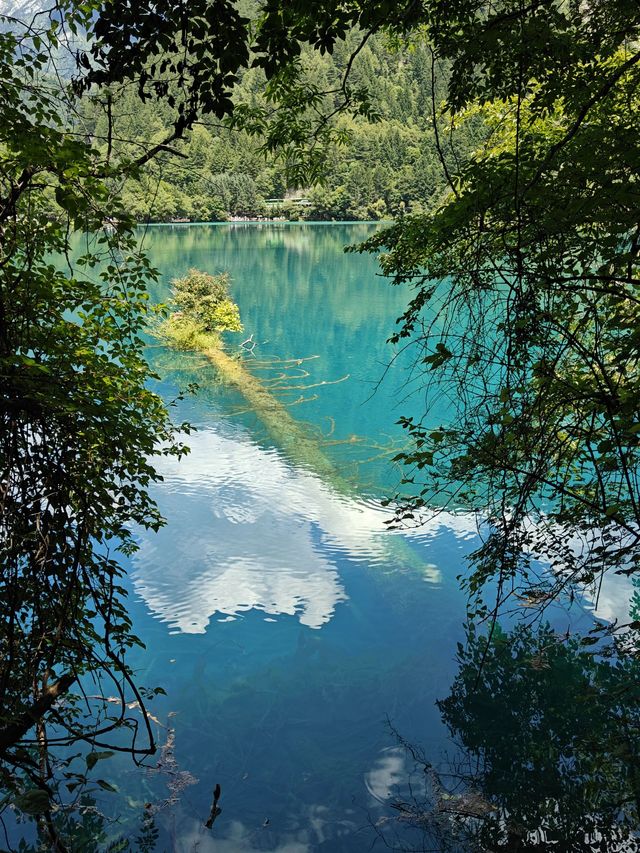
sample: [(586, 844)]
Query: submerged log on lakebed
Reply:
[(303, 449), (300, 447)]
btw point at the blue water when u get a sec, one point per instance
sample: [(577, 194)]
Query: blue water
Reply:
[(285, 625), (288, 628)]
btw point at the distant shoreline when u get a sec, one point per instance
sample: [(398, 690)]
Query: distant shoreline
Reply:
[(269, 222)]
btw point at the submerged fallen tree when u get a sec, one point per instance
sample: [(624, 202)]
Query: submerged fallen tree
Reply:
[(204, 310), (288, 433)]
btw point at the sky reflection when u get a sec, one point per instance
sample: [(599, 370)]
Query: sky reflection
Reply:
[(263, 542)]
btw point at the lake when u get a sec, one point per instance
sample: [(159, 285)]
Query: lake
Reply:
[(296, 637), (287, 627)]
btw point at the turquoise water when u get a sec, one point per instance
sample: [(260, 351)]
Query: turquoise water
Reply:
[(290, 629), (302, 297), (299, 640), (286, 625)]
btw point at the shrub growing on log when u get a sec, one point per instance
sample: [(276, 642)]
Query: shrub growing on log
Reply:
[(203, 310)]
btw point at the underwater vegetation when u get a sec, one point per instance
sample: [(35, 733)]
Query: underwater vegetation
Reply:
[(203, 310)]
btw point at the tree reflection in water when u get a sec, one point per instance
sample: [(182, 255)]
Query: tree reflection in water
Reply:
[(548, 756)]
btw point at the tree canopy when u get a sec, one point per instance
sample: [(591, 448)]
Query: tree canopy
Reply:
[(526, 293), (525, 308), (203, 309)]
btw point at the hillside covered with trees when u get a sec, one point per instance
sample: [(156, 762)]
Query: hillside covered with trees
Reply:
[(379, 166)]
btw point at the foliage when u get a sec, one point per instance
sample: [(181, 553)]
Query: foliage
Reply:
[(89, 831), (204, 298), (80, 427), (79, 432), (535, 309), (184, 334), (191, 61), (377, 167), (525, 307), (203, 310)]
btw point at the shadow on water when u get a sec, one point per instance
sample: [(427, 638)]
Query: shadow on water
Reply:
[(544, 753)]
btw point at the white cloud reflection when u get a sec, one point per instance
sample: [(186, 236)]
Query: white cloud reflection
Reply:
[(613, 599), (388, 773), (248, 531), (239, 839)]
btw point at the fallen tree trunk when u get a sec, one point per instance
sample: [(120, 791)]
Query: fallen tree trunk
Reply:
[(289, 435)]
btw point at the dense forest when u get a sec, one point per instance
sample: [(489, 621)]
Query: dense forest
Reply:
[(380, 166), (502, 140)]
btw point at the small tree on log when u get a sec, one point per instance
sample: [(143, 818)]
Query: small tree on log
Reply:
[(204, 309)]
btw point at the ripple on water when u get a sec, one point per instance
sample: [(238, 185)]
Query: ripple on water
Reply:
[(248, 531)]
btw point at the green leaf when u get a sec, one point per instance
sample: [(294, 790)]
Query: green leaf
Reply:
[(107, 786), (33, 802), (93, 758)]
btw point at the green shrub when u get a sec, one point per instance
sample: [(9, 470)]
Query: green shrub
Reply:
[(203, 310), (204, 300), (183, 333)]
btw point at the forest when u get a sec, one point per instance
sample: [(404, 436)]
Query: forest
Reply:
[(221, 574), (380, 166)]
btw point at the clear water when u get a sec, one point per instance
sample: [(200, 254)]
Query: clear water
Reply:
[(287, 626)]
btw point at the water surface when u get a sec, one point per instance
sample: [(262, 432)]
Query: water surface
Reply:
[(287, 625)]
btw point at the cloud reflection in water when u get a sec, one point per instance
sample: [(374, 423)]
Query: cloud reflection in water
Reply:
[(247, 531)]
